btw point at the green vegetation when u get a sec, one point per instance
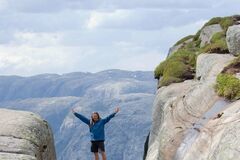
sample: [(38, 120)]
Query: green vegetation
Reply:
[(228, 86), (176, 68), (181, 64), (184, 39), (215, 20), (197, 35), (217, 44), (218, 41), (225, 22), (236, 62), (158, 72), (218, 36)]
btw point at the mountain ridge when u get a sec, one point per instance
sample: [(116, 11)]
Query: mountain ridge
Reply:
[(102, 92)]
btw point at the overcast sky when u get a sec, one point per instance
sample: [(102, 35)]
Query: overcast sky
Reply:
[(61, 36)]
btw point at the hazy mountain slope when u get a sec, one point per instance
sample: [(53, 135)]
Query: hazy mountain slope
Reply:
[(102, 91)]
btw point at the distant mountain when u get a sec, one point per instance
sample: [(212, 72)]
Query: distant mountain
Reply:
[(52, 96)]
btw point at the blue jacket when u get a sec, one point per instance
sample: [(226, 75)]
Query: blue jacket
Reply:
[(97, 129)]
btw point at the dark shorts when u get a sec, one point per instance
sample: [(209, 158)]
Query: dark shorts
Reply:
[(97, 146)]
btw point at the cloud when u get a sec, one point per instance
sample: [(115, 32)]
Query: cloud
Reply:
[(26, 15), (37, 39), (152, 19), (46, 6), (98, 19), (43, 22), (60, 36), (27, 60), (38, 6), (35, 53)]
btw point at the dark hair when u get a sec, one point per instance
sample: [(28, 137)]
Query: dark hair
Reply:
[(92, 120)]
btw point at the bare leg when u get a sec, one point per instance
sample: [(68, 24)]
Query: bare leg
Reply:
[(104, 157), (96, 155)]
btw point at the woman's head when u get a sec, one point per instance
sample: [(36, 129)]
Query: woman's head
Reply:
[(95, 116)]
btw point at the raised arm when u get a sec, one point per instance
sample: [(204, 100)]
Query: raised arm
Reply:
[(81, 117), (108, 118)]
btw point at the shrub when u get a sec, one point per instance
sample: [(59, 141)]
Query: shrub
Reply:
[(215, 20), (228, 86), (158, 72), (218, 47), (176, 68), (217, 44)]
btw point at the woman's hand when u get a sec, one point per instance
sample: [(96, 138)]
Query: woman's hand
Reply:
[(117, 110)]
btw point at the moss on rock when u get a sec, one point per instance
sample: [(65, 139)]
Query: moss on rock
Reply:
[(228, 86), (176, 68), (217, 44)]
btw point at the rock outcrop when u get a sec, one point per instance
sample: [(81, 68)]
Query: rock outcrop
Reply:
[(25, 136), (209, 66), (179, 106), (190, 119), (207, 33), (233, 39)]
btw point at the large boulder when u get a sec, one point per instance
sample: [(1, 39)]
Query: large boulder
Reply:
[(233, 39), (24, 135), (209, 66), (207, 33), (179, 106)]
